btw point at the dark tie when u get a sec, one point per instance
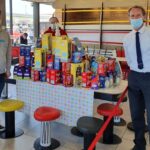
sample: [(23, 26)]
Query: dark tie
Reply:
[(138, 52)]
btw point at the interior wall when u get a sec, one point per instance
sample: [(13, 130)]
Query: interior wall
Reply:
[(59, 4), (115, 11), (114, 27)]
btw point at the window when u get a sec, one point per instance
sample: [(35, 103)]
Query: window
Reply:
[(22, 19), (8, 16), (46, 11)]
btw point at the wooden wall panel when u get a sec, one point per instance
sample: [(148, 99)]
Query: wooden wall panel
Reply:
[(81, 16), (92, 16), (115, 11), (59, 4)]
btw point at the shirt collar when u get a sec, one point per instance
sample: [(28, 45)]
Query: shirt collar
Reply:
[(141, 30)]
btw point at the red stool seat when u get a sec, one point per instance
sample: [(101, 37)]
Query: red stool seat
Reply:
[(107, 108), (46, 113)]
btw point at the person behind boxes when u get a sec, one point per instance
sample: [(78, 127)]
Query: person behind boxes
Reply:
[(54, 25), (5, 57), (23, 39), (137, 50)]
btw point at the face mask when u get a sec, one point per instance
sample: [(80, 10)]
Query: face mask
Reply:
[(136, 23)]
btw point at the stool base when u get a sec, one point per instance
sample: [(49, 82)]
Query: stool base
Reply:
[(76, 132), (116, 140), (130, 127), (18, 133), (88, 138), (54, 145), (121, 123)]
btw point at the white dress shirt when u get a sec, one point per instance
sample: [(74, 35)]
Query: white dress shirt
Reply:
[(129, 44)]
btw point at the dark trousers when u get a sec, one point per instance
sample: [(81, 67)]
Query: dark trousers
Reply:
[(139, 98), (2, 82)]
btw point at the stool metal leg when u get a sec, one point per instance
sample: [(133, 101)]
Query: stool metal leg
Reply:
[(108, 136), (118, 121), (45, 138), (108, 133), (10, 131), (88, 138), (10, 124), (45, 142)]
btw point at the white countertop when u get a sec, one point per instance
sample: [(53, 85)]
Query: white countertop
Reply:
[(114, 90)]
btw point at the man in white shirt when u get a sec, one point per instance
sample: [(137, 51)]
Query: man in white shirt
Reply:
[(5, 57), (137, 50)]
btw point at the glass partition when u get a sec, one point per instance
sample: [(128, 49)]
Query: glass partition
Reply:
[(46, 11), (22, 20)]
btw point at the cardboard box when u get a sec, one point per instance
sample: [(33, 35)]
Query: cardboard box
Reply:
[(76, 71), (35, 75), (86, 79), (66, 67), (50, 61), (57, 64), (21, 60), (54, 77), (25, 50), (61, 48), (39, 58), (48, 74), (47, 41), (67, 80)]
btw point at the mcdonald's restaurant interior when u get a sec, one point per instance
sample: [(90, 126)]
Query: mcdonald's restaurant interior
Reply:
[(69, 87)]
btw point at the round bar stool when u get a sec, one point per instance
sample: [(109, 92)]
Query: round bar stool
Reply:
[(89, 126), (9, 106), (105, 110), (45, 115), (118, 121)]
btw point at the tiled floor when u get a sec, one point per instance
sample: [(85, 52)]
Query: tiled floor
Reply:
[(62, 132)]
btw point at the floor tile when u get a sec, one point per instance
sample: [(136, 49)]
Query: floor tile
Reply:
[(23, 142)]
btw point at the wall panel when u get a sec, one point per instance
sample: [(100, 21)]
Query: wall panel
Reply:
[(97, 3)]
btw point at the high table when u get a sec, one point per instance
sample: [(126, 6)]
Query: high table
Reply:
[(113, 95), (72, 101), (109, 94), (116, 90)]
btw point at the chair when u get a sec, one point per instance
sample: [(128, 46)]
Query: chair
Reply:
[(45, 115), (105, 110), (112, 98), (89, 126), (118, 121), (9, 106)]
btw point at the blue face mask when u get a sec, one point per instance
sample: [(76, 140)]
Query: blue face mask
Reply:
[(136, 23)]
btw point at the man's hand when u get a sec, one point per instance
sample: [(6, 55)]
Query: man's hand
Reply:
[(8, 74)]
